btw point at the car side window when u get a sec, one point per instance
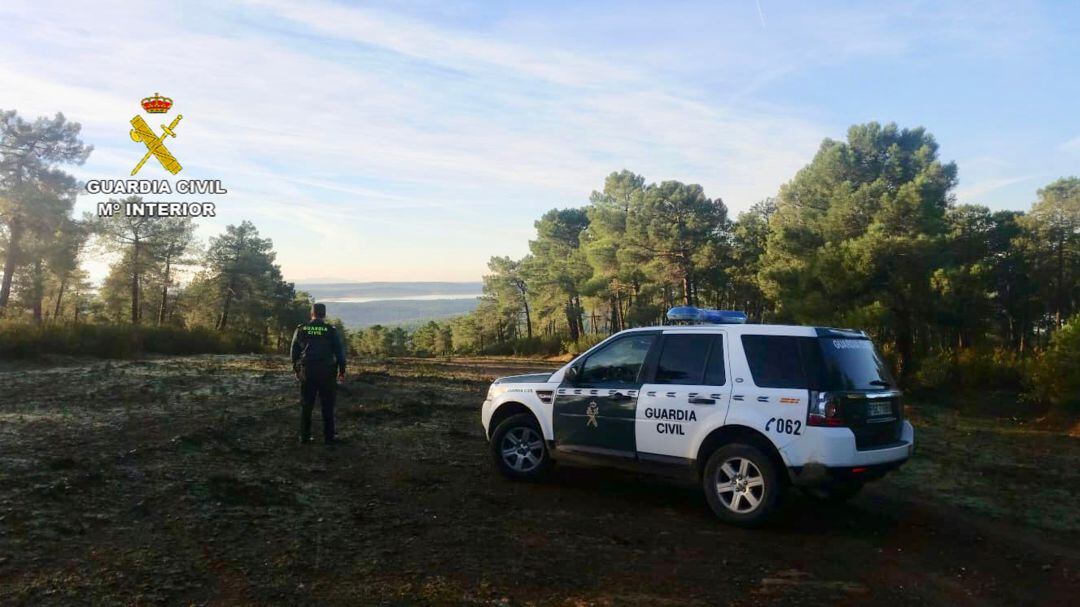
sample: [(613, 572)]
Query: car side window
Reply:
[(682, 360), (774, 361), (617, 363), (715, 374)]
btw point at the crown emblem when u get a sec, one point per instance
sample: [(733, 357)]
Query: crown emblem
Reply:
[(156, 104)]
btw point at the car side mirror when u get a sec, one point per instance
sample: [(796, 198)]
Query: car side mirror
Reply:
[(572, 375)]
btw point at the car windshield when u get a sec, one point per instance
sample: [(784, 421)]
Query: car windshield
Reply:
[(854, 364)]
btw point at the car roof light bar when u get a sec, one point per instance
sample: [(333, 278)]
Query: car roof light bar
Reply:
[(694, 314)]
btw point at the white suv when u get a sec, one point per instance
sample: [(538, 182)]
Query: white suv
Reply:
[(747, 410)]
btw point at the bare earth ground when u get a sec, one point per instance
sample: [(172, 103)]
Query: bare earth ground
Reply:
[(178, 480)]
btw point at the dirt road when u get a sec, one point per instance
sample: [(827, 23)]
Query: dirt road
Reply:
[(179, 481)]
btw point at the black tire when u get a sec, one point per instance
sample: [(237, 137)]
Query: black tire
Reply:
[(518, 448), (836, 493), (753, 488)]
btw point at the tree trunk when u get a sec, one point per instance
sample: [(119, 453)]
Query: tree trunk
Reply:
[(59, 297), (619, 317), (170, 314), (528, 316), (223, 320), (579, 310), (15, 233), (164, 292), (1060, 303), (135, 283), (613, 301), (39, 291), (571, 322), (904, 348)]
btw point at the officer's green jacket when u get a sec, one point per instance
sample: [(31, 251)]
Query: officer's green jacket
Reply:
[(317, 345)]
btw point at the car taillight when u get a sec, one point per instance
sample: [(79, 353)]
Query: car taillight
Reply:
[(824, 410)]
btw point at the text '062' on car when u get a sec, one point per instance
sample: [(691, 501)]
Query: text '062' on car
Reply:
[(746, 410)]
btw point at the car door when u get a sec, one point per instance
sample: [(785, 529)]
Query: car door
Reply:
[(776, 397), (687, 389), (594, 408)]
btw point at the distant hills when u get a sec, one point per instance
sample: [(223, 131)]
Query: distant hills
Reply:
[(362, 304)]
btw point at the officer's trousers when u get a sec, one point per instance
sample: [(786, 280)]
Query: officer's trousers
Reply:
[(325, 388)]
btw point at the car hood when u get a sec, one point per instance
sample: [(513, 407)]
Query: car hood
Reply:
[(532, 378)]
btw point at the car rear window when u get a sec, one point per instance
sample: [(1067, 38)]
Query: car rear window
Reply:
[(853, 364), (775, 361), (816, 363)]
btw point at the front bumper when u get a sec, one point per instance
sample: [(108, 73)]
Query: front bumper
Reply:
[(485, 416)]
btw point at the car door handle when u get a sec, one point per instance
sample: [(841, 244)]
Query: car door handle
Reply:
[(620, 396), (697, 400)]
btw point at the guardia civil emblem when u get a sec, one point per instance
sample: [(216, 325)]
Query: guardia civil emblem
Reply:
[(591, 411), (155, 145)]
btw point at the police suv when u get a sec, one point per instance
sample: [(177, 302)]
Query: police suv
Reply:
[(747, 410)]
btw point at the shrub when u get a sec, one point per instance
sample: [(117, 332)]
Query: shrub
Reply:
[(971, 369), (990, 369), (198, 340), (538, 345), (935, 370), (1056, 376), (582, 344), (23, 340), (543, 345)]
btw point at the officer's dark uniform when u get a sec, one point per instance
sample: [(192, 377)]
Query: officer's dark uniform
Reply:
[(317, 353)]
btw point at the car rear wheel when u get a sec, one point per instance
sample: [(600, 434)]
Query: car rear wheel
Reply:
[(518, 448), (741, 484)]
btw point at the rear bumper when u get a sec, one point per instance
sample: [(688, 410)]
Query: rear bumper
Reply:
[(814, 475), (831, 454)]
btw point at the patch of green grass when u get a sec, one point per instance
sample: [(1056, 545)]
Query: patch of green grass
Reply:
[(1004, 467)]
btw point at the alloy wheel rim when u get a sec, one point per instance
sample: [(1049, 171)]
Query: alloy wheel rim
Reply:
[(522, 449), (739, 485)]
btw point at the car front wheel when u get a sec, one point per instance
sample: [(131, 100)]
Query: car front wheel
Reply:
[(518, 448), (741, 484)]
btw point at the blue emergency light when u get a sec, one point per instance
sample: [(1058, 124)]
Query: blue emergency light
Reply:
[(705, 316)]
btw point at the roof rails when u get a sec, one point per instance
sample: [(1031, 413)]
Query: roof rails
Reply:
[(692, 314), (836, 332)]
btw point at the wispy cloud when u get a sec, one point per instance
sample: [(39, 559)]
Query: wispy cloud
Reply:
[(974, 192)]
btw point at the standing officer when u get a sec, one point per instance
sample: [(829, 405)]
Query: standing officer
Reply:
[(317, 352)]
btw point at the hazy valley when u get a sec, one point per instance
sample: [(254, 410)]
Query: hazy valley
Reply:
[(362, 304)]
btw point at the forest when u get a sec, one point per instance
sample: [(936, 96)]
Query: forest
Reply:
[(867, 235)]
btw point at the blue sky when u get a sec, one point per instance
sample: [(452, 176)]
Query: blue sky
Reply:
[(413, 140)]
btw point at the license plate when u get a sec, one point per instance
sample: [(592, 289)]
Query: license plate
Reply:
[(878, 409)]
